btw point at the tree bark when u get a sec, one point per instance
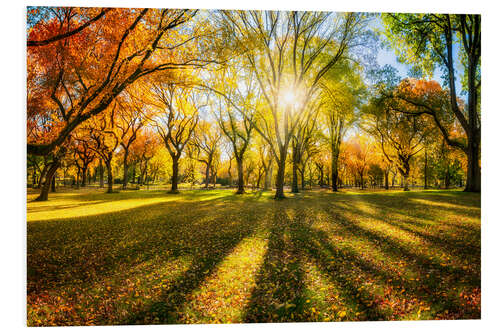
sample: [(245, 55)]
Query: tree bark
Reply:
[(101, 174), (110, 178), (280, 180), (84, 176), (175, 175), (473, 182), (241, 184), (53, 183), (125, 170), (44, 194), (386, 179), (268, 177), (207, 175), (295, 185), (335, 170), (42, 175)]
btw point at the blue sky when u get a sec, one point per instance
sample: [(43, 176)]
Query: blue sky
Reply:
[(388, 57)]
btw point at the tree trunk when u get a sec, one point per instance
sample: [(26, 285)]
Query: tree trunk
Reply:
[(53, 183), (42, 175), (280, 179), (241, 184), (133, 174), (269, 176), (302, 179), (84, 176), (425, 171), (473, 182), (295, 181), (110, 177), (321, 177), (386, 178), (101, 174), (335, 172), (207, 175), (125, 170), (175, 174), (405, 181), (44, 194), (78, 171)]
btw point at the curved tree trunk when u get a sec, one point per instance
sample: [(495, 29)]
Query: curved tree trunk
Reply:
[(44, 194), (42, 175)]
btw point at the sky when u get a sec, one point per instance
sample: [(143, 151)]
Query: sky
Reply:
[(388, 57)]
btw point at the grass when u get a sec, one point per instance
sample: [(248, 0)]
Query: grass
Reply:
[(147, 257)]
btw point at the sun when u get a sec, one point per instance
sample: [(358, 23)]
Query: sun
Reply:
[(289, 97)]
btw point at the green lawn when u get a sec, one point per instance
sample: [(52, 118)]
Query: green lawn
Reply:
[(148, 257)]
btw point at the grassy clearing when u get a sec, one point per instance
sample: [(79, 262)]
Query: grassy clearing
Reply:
[(147, 257)]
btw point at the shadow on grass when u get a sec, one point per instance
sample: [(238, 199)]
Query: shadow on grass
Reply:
[(206, 226), (278, 294)]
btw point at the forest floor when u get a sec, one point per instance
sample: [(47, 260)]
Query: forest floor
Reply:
[(148, 257)]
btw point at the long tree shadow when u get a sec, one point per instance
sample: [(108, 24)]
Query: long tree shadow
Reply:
[(211, 247), (343, 268), (83, 252), (277, 296), (466, 245), (435, 287)]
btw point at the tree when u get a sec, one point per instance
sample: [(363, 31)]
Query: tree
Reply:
[(342, 91), (206, 141), (399, 134), (178, 117), (289, 52), (427, 41), (131, 117), (78, 75), (238, 87), (359, 155), (83, 156), (104, 139)]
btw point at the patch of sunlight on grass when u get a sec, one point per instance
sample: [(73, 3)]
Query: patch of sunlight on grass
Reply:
[(443, 204), (89, 208), (224, 296)]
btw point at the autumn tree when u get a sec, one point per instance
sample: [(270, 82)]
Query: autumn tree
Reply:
[(176, 118), (399, 134), (342, 91), (359, 155), (103, 139), (80, 71), (283, 49), (206, 140), (131, 117), (427, 41), (239, 89)]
